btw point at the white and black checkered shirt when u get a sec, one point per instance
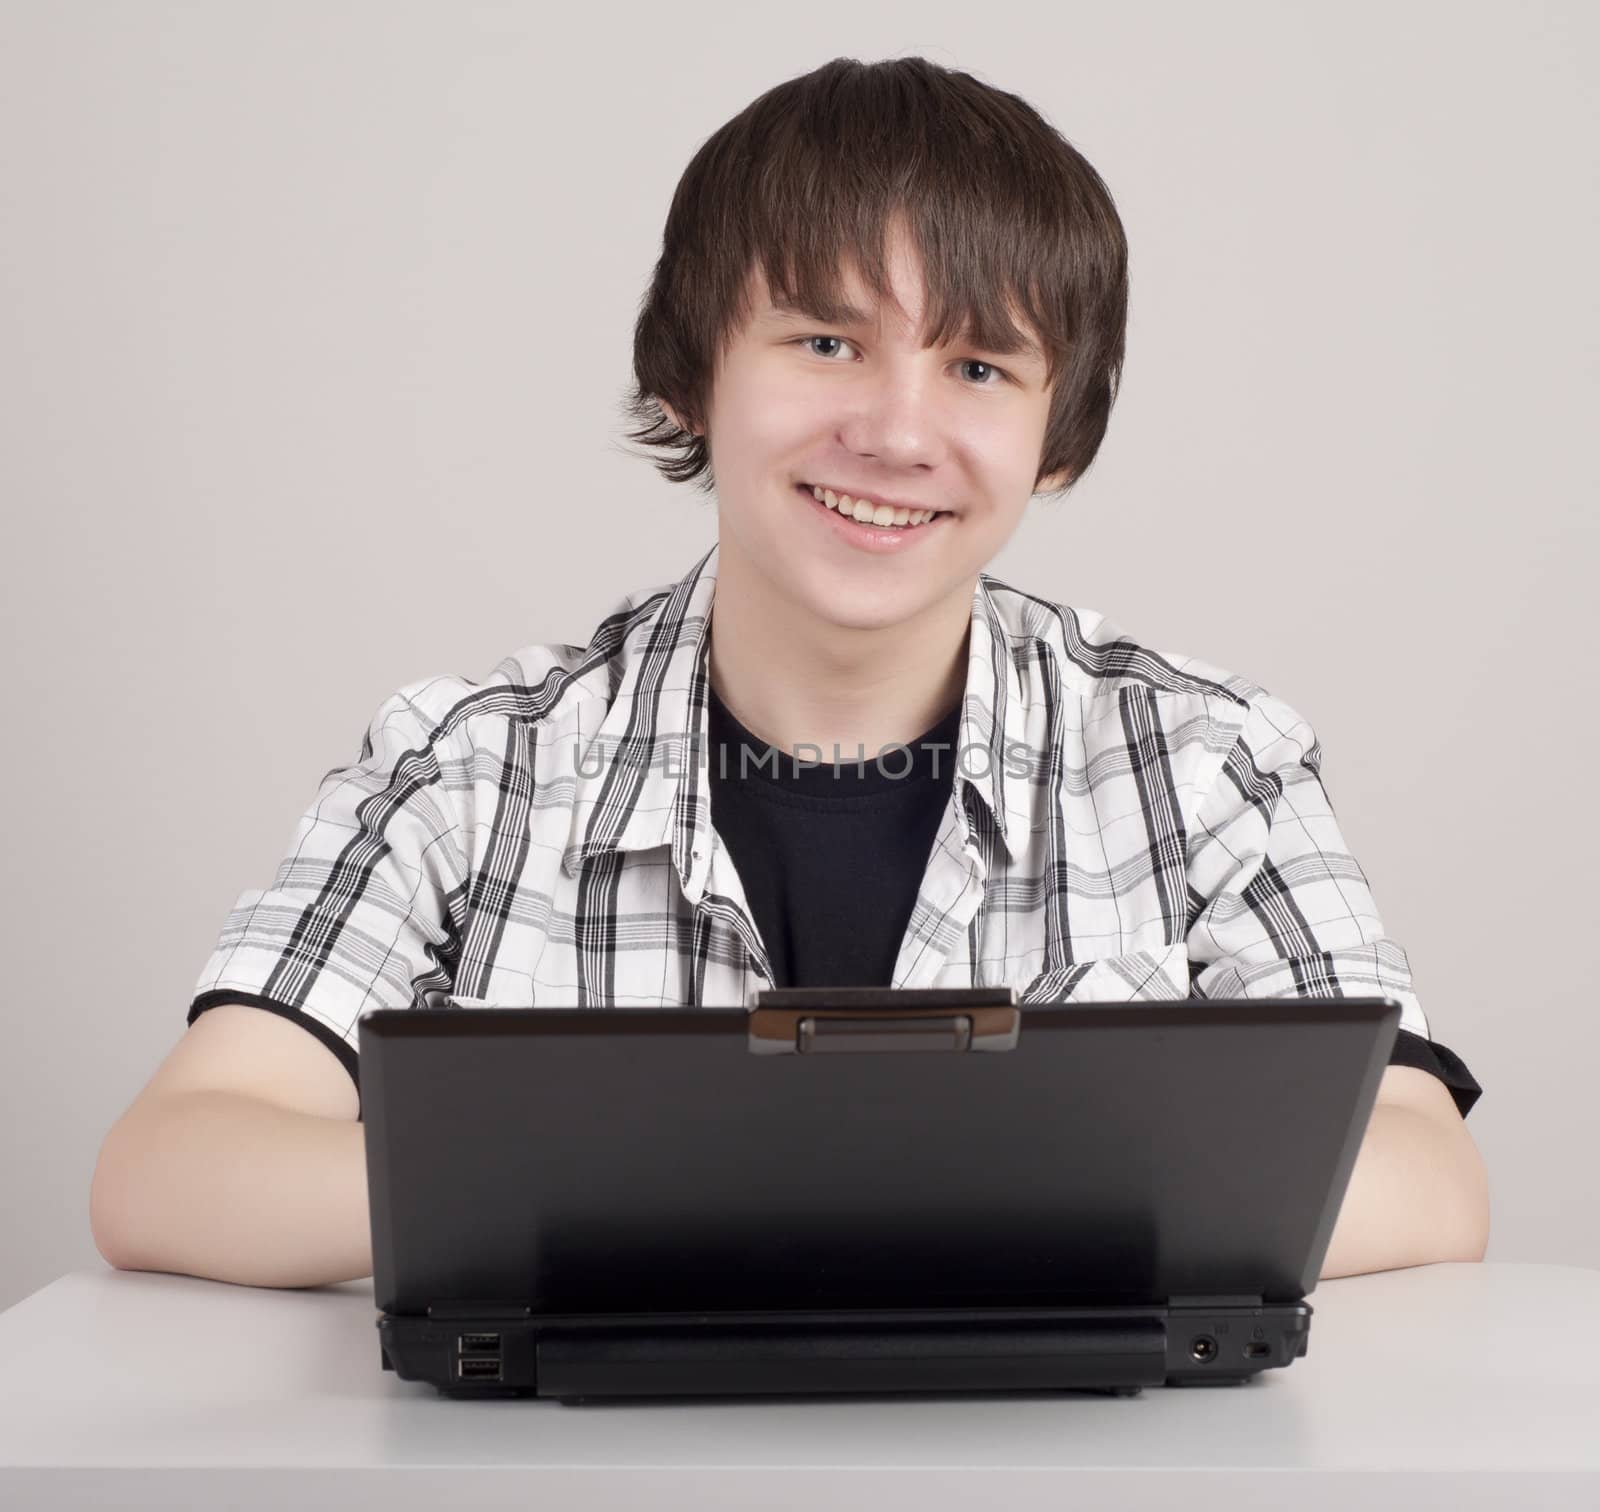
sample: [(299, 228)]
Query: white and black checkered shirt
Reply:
[(1123, 824)]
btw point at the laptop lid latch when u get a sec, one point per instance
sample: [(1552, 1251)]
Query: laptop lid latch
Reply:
[(854, 1021)]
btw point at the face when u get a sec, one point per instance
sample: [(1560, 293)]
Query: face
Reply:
[(861, 408)]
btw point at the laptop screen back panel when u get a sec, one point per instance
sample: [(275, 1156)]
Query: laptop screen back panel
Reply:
[(645, 1160)]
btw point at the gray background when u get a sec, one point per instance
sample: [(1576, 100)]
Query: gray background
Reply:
[(315, 323)]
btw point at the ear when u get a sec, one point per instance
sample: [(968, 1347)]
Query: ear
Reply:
[(672, 415), (1054, 481)]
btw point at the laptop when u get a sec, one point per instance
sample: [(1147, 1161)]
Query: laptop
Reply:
[(858, 1190)]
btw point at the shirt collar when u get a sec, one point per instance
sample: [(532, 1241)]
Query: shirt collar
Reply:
[(642, 778)]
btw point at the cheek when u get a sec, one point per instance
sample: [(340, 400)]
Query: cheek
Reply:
[(763, 429)]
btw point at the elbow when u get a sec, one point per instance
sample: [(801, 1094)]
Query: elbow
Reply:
[(108, 1205), (1472, 1185), (100, 1218)]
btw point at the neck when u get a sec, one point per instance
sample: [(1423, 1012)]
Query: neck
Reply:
[(798, 682)]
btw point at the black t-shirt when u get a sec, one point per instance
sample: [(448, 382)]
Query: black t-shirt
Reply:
[(832, 857)]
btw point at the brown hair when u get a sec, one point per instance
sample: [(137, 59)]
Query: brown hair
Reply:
[(1003, 211)]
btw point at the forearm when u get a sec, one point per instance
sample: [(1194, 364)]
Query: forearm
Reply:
[(1419, 1194), (220, 1185)]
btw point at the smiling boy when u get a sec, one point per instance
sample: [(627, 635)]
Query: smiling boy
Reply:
[(835, 751)]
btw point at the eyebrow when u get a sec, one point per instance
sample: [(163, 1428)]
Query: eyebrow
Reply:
[(841, 312)]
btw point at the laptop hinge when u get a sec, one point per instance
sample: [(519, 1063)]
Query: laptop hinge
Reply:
[(1230, 1299), (469, 1311)]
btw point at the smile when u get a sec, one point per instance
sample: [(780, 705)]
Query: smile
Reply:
[(866, 512), (873, 539)]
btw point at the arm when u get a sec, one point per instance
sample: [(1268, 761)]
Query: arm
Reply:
[(1280, 908), (227, 1186), (244, 1159), (1419, 1192)]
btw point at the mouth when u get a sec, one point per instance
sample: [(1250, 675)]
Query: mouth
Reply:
[(805, 491)]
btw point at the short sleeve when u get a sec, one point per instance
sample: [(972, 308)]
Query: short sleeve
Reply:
[(1441, 1061), (1278, 907), (364, 910)]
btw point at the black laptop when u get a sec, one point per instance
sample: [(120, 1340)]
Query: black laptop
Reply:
[(858, 1191)]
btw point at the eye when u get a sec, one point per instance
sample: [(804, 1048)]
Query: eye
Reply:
[(1002, 375)]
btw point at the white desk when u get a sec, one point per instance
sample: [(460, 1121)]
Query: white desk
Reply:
[(1460, 1386)]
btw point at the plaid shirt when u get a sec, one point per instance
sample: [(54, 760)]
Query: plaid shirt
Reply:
[(1122, 824)]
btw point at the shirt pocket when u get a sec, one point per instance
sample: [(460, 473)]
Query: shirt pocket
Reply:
[(1139, 976)]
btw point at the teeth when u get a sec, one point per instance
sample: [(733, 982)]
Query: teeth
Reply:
[(868, 513)]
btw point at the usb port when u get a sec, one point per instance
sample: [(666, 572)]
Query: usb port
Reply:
[(480, 1370), (1257, 1351), (478, 1343)]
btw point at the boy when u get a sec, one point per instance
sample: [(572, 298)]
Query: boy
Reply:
[(890, 308)]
